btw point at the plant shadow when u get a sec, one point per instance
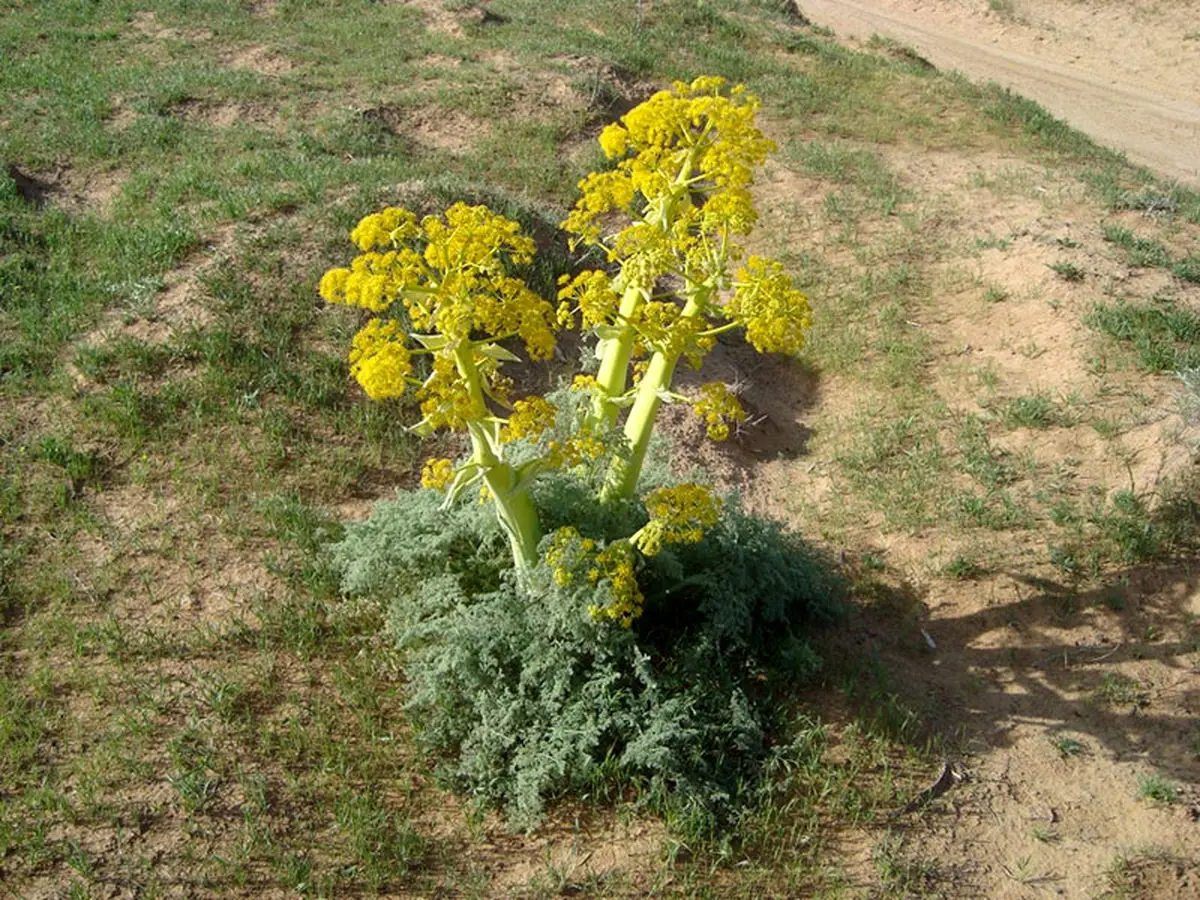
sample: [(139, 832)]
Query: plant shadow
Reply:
[(1112, 668)]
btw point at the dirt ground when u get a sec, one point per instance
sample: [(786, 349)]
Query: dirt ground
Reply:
[(1068, 702), (1128, 74)]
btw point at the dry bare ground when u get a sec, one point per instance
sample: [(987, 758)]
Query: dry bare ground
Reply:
[(1065, 701), (1127, 74)]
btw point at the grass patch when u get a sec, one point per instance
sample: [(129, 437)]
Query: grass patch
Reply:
[(1142, 252), (1158, 789), (1116, 689), (897, 465), (1068, 271), (1034, 411), (1164, 336), (1068, 746), (1149, 253)]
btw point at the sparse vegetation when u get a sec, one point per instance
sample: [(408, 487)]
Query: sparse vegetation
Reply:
[(1164, 336), (1068, 271), (1068, 746), (1121, 690), (1157, 788), (1033, 411)]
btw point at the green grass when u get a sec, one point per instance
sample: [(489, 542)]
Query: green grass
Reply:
[(1033, 411), (1068, 271), (1116, 689), (1164, 336), (1157, 788), (1142, 252), (1068, 746), (1149, 253)]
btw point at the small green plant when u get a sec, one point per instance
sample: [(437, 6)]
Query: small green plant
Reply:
[(995, 294), (1117, 689), (902, 873), (1033, 411), (1068, 271), (1068, 746), (1157, 788), (963, 568)]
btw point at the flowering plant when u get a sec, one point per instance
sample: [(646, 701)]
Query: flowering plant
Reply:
[(668, 219)]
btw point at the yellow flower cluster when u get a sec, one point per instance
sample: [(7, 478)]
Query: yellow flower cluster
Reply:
[(379, 360), (570, 553), (445, 401), (450, 274), (590, 293), (387, 229), (372, 282), (585, 383), (718, 407), (661, 327), (600, 193), (437, 473), (678, 515), (529, 418), (582, 447), (765, 302), (693, 138)]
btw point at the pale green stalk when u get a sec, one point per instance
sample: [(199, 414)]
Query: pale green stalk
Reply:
[(639, 426), (616, 351), (514, 506)]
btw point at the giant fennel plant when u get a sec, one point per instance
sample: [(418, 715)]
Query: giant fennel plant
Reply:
[(668, 218), (606, 622)]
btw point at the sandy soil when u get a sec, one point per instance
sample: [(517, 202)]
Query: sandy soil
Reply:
[(1126, 74)]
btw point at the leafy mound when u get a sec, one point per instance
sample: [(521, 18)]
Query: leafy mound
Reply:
[(522, 695)]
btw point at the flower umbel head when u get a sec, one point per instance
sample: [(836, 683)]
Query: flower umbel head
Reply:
[(767, 304), (450, 273), (437, 473), (529, 418), (379, 359), (718, 407), (678, 515), (698, 137)]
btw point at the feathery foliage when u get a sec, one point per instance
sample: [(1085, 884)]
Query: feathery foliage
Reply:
[(523, 695)]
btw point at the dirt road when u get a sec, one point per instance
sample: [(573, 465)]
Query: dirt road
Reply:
[(1126, 74)]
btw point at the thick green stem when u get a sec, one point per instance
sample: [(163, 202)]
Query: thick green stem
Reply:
[(623, 476), (614, 363), (514, 506)]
